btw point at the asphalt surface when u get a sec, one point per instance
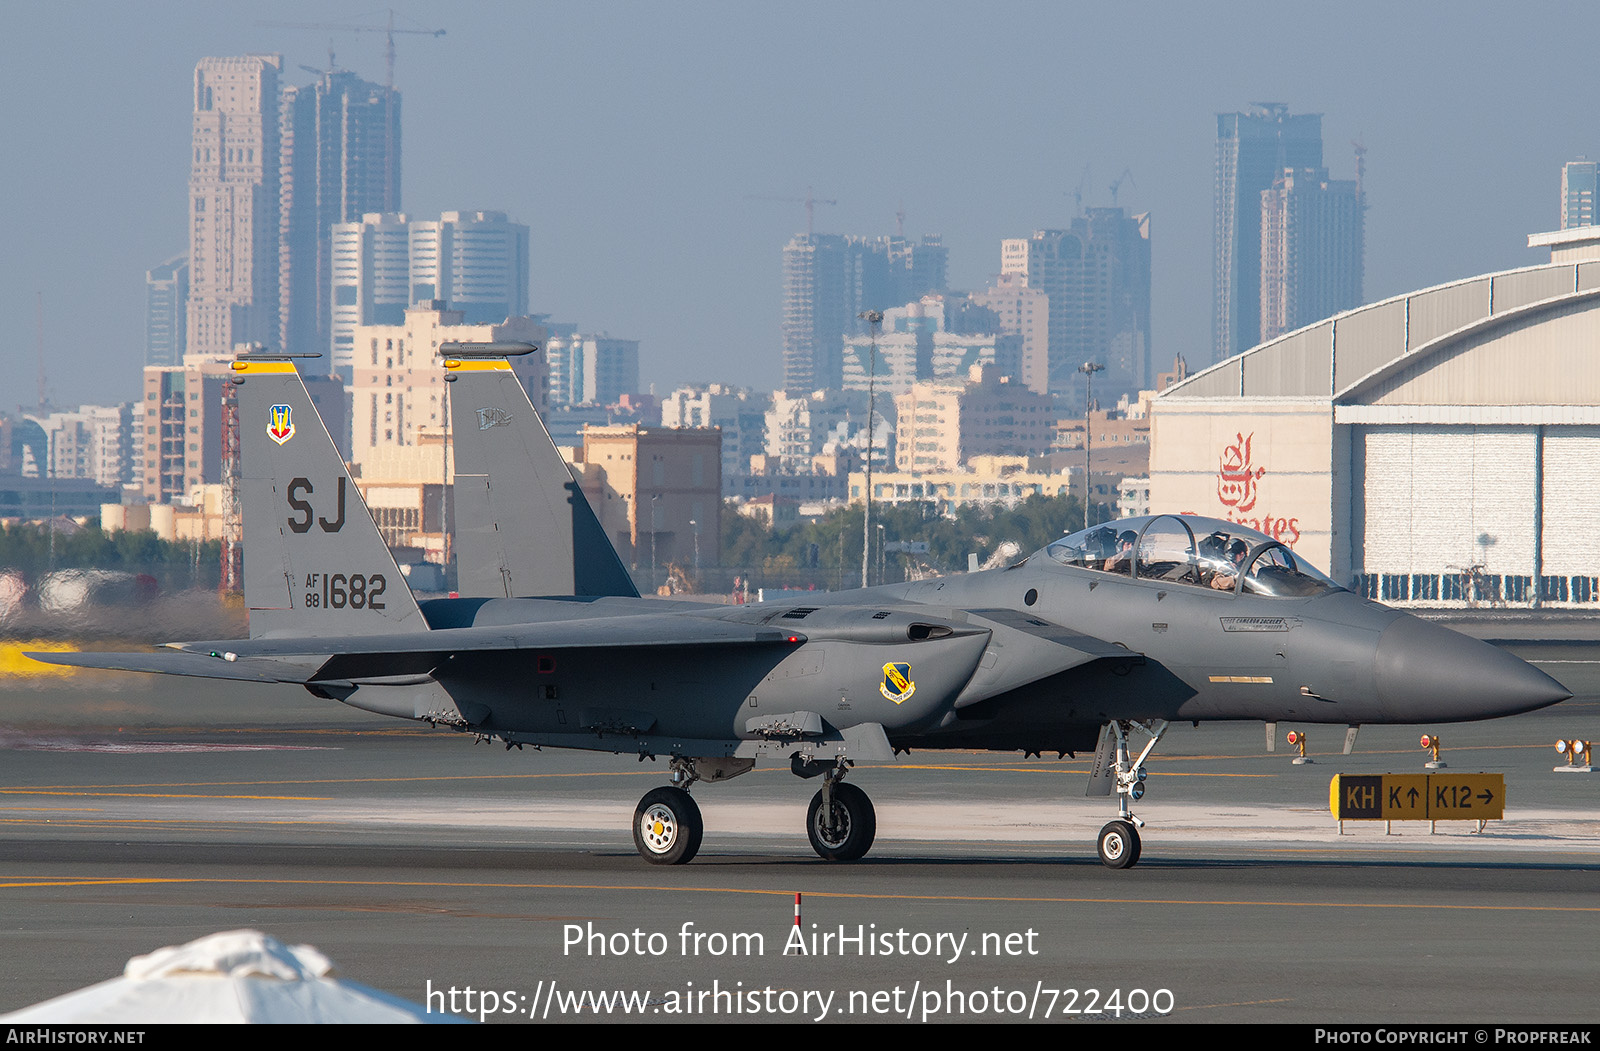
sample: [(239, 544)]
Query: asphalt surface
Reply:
[(141, 812)]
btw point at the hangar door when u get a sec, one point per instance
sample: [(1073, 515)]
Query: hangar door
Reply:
[(1447, 513), (1571, 541)]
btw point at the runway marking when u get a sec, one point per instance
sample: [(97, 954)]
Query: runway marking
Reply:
[(1239, 1003), (90, 789), (149, 747), (52, 809), (1055, 770), (156, 795), (789, 893)]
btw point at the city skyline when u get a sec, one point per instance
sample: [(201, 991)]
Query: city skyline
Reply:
[(630, 141)]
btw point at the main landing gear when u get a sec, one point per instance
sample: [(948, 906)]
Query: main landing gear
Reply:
[(666, 824), (1118, 844), (667, 827), (840, 822)]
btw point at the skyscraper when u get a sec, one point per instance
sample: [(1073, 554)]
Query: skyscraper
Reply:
[(340, 160), (166, 311), (1312, 239), (472, 262), (1096, 277), (475, 261), (829, 279), (591, 370), (1253, 150), (1578, 184), (233, 204)]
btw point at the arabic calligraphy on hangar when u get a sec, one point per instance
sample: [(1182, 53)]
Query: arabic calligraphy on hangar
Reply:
[(1238, 490)]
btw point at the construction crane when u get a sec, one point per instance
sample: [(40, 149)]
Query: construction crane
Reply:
[(1127, 173), (1077, 194), (389, 31), (810, 200)]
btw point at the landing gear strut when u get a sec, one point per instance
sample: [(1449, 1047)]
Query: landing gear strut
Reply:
[(1118, 844), (840, 822)]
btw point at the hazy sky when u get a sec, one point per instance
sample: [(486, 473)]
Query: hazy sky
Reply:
[(630, 136)]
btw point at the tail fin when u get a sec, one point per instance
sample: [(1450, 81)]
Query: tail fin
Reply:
[(314, 561), (523, 527)]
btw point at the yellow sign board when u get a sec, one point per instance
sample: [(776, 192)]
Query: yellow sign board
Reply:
[(1417, 797)]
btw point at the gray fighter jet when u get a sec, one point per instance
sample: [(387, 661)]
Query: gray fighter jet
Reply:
[(1104, 637)]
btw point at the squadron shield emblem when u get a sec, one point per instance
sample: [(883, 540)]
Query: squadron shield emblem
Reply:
[(897, 684), (280, 423)]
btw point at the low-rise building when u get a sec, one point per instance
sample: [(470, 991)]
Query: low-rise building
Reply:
[(657, 492), (943, 424)]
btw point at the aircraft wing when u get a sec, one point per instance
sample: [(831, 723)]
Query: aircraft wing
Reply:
[(303, 660)]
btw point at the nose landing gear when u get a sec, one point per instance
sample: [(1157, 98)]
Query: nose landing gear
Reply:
[(1118, 845)]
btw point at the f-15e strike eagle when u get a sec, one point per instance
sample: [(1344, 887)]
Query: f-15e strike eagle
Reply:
[(1094, 644)]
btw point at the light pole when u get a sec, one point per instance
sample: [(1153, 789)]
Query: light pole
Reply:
[(880, 553), (1088, 368), (695, 525), (873, 318), (653, 498)]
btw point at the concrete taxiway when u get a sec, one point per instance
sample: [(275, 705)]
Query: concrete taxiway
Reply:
[(139, 812)]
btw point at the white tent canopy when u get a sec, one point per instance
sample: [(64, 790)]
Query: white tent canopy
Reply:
[(236, 976)]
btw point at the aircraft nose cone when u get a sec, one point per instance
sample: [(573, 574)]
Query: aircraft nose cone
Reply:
[(1425, 673)]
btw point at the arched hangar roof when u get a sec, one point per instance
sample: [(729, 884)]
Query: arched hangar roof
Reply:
[(1527, 337)]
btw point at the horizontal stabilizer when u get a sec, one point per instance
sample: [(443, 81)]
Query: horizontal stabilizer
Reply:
[(320, 659), (210, 665)]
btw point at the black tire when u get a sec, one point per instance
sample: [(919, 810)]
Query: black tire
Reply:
[(667, 827), (855, 824), (1119, 845)]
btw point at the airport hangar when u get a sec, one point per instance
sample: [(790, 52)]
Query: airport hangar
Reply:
[(1437, 449)]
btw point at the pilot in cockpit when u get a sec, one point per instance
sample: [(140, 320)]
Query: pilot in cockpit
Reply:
[(1122, 561), (1227, 575)]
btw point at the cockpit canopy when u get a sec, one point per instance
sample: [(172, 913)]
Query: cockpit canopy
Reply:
[(1193, 551)]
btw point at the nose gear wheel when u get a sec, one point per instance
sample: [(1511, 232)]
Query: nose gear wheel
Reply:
[(1119, 845)]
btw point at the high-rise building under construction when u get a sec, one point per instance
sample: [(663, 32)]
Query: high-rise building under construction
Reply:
[(340, 161), (1579, 181), (1312, 240), (1096, 276), (829, 279)]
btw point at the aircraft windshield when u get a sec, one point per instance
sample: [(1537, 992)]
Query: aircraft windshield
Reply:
[(1199, 552)]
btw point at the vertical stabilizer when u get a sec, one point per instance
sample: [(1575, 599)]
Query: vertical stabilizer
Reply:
[(524, 528), (314, 561)]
